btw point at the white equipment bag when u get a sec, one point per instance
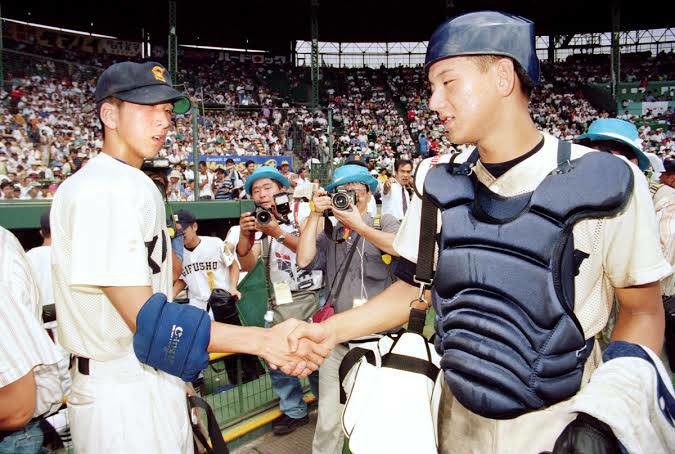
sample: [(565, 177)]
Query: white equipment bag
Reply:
[(390, 393)]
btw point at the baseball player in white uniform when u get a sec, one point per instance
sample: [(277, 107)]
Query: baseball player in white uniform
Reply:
[(208, 263), (112, 274)]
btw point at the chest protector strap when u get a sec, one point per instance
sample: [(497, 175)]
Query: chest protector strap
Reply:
[(504, 282)]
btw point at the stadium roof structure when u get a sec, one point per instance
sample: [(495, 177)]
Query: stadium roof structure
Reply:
[(271, 25)]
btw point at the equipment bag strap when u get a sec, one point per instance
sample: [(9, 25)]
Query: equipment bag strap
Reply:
[(352, 357), (218, 445), (424, 270), (426, 247), (564, 155)]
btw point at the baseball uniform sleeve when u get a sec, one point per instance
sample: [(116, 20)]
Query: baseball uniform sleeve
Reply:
[(631, 243), (108, 246), (24, 343), (227, 254), (407, 238)]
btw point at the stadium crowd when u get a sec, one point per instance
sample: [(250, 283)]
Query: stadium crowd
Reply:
[(48, 128)]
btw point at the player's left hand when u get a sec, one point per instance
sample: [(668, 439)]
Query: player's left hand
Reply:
[(588, 435), (350, 218)]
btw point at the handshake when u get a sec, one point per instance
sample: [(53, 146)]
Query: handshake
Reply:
[(297, 348)]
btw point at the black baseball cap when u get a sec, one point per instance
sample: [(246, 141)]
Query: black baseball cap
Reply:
[(186, 218), (669, 165), (146, 83)]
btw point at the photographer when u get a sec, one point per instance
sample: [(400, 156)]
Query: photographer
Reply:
[(360, 251), (272, 233)]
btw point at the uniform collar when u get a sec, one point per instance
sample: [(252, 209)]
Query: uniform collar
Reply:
[(525, 176)]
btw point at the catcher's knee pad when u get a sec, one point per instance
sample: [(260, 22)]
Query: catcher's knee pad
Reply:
[(172, 337)]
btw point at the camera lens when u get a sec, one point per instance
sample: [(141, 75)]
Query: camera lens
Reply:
[(340, 201), (263, 217)]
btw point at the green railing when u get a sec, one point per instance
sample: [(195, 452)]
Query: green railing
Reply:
[(25, 214)]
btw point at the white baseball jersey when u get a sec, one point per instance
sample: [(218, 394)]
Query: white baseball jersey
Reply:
[(41, 265), (207, 267), (108, 229)]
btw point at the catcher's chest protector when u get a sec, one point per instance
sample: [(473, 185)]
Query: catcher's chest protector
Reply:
[(504, 284)]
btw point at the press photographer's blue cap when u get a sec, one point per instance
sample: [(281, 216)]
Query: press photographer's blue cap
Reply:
[(352, 173), (146, 83), (620, 131), (266, 172), (486, 33)]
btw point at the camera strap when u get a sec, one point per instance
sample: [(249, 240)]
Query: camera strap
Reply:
[(344, 267), (266, 253)]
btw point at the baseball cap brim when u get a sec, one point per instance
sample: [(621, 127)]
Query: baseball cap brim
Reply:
[(156, 94)]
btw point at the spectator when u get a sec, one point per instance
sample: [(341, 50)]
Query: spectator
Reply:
[(397, 191), (205, 182)]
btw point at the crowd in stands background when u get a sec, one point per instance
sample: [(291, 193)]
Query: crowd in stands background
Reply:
[(48, 128)]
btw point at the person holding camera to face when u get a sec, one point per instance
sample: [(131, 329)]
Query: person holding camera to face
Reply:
[(356, 257), (271, 232)]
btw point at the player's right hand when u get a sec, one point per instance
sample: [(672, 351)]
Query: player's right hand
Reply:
[(247, 223)]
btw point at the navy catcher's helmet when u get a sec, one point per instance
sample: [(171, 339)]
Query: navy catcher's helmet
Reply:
[(486, 33)]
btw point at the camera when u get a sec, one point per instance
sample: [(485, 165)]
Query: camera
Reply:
[(282, 203), (262, 216), (283, 207), (341, 198)]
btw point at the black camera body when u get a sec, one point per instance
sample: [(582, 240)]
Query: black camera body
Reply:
[(341, 199), (283, 208), (158, 170)]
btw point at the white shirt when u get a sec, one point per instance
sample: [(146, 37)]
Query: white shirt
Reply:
[(206, 191), (24, 344), (283, 264), (207, 267), (392, 202), (108, 229), (40, 259)]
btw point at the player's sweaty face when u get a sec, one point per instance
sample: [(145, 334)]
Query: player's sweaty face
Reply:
[(462, 96), (263, 192), (143, 128)]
